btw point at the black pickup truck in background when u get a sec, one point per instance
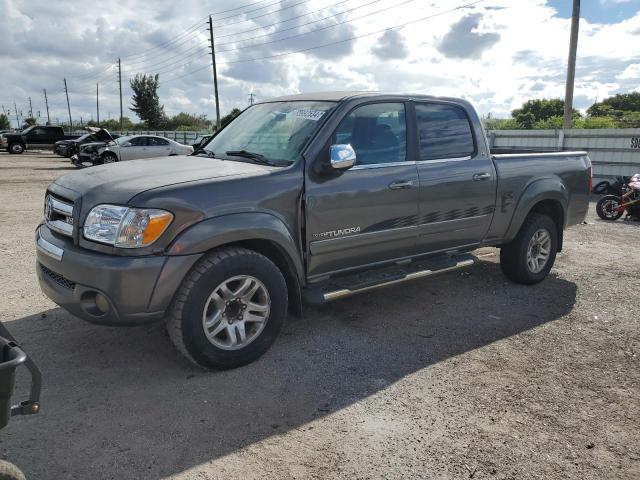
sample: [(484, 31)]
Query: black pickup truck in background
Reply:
[(36, 137)]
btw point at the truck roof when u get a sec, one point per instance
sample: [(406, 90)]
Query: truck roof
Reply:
[(344, 95)]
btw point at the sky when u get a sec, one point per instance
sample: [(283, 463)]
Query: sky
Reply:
[(495, 53)]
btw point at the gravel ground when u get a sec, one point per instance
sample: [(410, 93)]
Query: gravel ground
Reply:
[(460, 376)]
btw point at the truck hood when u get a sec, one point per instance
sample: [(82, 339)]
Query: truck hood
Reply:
[(118, 183)]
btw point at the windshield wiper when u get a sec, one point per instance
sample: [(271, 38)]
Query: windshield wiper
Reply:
[(200, 151), (256, 157)]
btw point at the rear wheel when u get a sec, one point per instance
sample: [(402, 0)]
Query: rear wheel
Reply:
[(229, 309), (607, 207), (16, 148), (530, 256)]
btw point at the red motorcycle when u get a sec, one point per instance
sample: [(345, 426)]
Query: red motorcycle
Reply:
[(611, 207)]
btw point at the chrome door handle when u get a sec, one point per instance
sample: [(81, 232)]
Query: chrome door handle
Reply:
[(401, 184), (481, 176)]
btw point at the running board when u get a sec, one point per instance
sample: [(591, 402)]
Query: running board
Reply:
[(369, 280)]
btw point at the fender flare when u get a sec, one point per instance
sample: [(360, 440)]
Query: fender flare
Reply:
[(549, 188), (236, 227)]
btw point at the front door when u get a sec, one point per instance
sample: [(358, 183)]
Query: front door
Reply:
[(136, 148), (367, 214), (457, 179), (158, 147)]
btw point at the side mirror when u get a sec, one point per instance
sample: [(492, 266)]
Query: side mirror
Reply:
[(126, 144), (342, 157)]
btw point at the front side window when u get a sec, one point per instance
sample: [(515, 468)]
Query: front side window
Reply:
[(276, 131), (377, 132), (138, 141), (157, 142), (444, 131)]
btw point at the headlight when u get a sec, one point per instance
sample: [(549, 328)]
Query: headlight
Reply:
[(126, 227)]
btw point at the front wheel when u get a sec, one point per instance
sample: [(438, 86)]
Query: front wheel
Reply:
[(607, 208), (8, 471), (16, 148), (108, 157), (529, 257), (229, 309)]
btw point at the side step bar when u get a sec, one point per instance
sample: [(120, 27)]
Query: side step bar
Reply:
[(363, 282)]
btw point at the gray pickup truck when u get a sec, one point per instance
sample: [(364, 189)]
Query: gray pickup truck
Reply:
[(304, 198)]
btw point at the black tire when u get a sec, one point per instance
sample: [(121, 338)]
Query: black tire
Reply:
[(185, 319), (16, 148), (108, 157), (513, 256), (601, 187), (605, 208), (8, 471)]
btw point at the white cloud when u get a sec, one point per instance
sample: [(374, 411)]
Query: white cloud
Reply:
[(498, 53), (632, 72)]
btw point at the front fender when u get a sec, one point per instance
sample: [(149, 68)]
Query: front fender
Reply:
[(226, 229), (550, 188)]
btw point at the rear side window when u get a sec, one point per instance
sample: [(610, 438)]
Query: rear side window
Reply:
[(377, 132), (444, 131)]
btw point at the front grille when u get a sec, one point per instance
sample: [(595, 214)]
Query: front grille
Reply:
[(58, 213), (57, 278)]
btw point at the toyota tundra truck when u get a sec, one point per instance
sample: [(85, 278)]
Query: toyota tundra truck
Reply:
[(305, 198)]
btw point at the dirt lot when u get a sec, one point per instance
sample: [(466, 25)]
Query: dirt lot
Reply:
[(459, 376)]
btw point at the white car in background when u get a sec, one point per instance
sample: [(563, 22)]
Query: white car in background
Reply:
[(131, 147)]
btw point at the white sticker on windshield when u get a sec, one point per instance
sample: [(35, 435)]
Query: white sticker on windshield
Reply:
[(308, 114)]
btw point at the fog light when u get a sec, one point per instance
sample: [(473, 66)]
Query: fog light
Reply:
[(102, 303)]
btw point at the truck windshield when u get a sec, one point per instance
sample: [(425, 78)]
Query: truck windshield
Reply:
[(275, 131)]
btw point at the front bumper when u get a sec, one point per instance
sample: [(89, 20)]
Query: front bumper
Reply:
[(107, 289)]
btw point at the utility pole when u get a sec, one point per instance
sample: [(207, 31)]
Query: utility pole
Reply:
[(215, 73), (46, 102), (251, 95), (30, 108), (571, 66), (17, 114), (120, 83), (98, 104), (66, 92)]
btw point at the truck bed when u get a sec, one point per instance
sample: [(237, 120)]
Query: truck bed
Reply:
[(520, 171)]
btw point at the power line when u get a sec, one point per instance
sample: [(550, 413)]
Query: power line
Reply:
[(143, 61), (355, 37), (258, 16), (195, 26), (319, 29), (291, 19)]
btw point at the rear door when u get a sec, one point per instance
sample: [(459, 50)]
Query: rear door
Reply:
[(457, 178), (366, 214)]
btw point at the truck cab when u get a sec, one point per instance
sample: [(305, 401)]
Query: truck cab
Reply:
[(306, 198)]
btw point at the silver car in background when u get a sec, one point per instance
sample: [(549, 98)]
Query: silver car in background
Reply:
[(131, 147)]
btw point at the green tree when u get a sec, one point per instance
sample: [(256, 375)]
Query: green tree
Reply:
[(188, 121), (616, 106), (533, 111), (5, 124), (230, 116), (145, 101), (500, 124), (113, 124), (30, 121)]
